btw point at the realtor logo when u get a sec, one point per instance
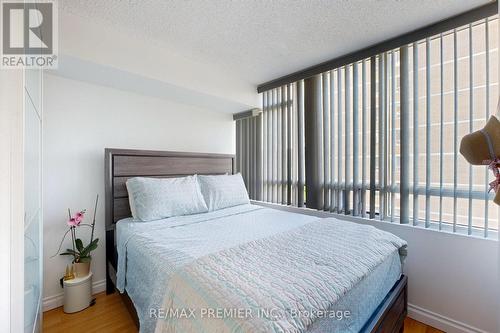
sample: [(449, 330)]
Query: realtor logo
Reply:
[(29, 34)]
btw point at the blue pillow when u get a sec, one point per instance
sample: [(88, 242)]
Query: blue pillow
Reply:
[(223, 191), (157, 198)]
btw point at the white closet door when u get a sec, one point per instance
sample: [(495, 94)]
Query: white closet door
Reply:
[(32, 201)]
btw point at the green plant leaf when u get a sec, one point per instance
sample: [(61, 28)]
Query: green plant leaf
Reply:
[(66, 254), (91, 247), (79, 244), (72, 251)]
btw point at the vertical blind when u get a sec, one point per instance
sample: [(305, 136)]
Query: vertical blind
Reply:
[(378, 138), (249, 154)]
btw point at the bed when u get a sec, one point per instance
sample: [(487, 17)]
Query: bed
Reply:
[(199, 261)]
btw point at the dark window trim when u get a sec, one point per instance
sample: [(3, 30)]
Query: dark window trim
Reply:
[(408, 38)]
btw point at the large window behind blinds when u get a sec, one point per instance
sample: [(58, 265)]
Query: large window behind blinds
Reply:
[(379, 138)]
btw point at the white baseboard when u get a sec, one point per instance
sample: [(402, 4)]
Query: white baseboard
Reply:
[(55, 301), (439, 321)]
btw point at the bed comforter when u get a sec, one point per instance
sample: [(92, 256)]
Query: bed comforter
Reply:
[(283, 282)]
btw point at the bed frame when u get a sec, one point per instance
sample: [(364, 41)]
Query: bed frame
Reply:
[(121, 164)]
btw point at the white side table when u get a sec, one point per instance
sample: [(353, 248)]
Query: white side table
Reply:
[(77, 293)]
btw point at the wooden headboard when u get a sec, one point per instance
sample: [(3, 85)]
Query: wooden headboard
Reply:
[(122, 164)]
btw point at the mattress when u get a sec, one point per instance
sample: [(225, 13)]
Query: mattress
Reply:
[(150, 253)]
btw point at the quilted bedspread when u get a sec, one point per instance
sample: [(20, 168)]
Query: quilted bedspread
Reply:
[(280, 283)]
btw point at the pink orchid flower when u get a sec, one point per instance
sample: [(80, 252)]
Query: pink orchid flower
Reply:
[(79, 216), (72, 222)]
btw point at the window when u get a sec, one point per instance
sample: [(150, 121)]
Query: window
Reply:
[(367, 153)]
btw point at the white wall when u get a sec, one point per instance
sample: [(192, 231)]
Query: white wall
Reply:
[(98, 42), (80, 120), (11, 201), (452, 279)]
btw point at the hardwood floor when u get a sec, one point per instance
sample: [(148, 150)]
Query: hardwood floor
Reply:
[(110, 315), (413, 326)]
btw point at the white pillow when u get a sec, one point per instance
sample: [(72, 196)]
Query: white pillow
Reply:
[(223, 191), (156, 198)]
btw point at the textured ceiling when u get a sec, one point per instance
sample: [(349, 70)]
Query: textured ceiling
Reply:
[(259, 40)]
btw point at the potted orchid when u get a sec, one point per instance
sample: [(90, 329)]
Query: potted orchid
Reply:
[(81, 254)]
